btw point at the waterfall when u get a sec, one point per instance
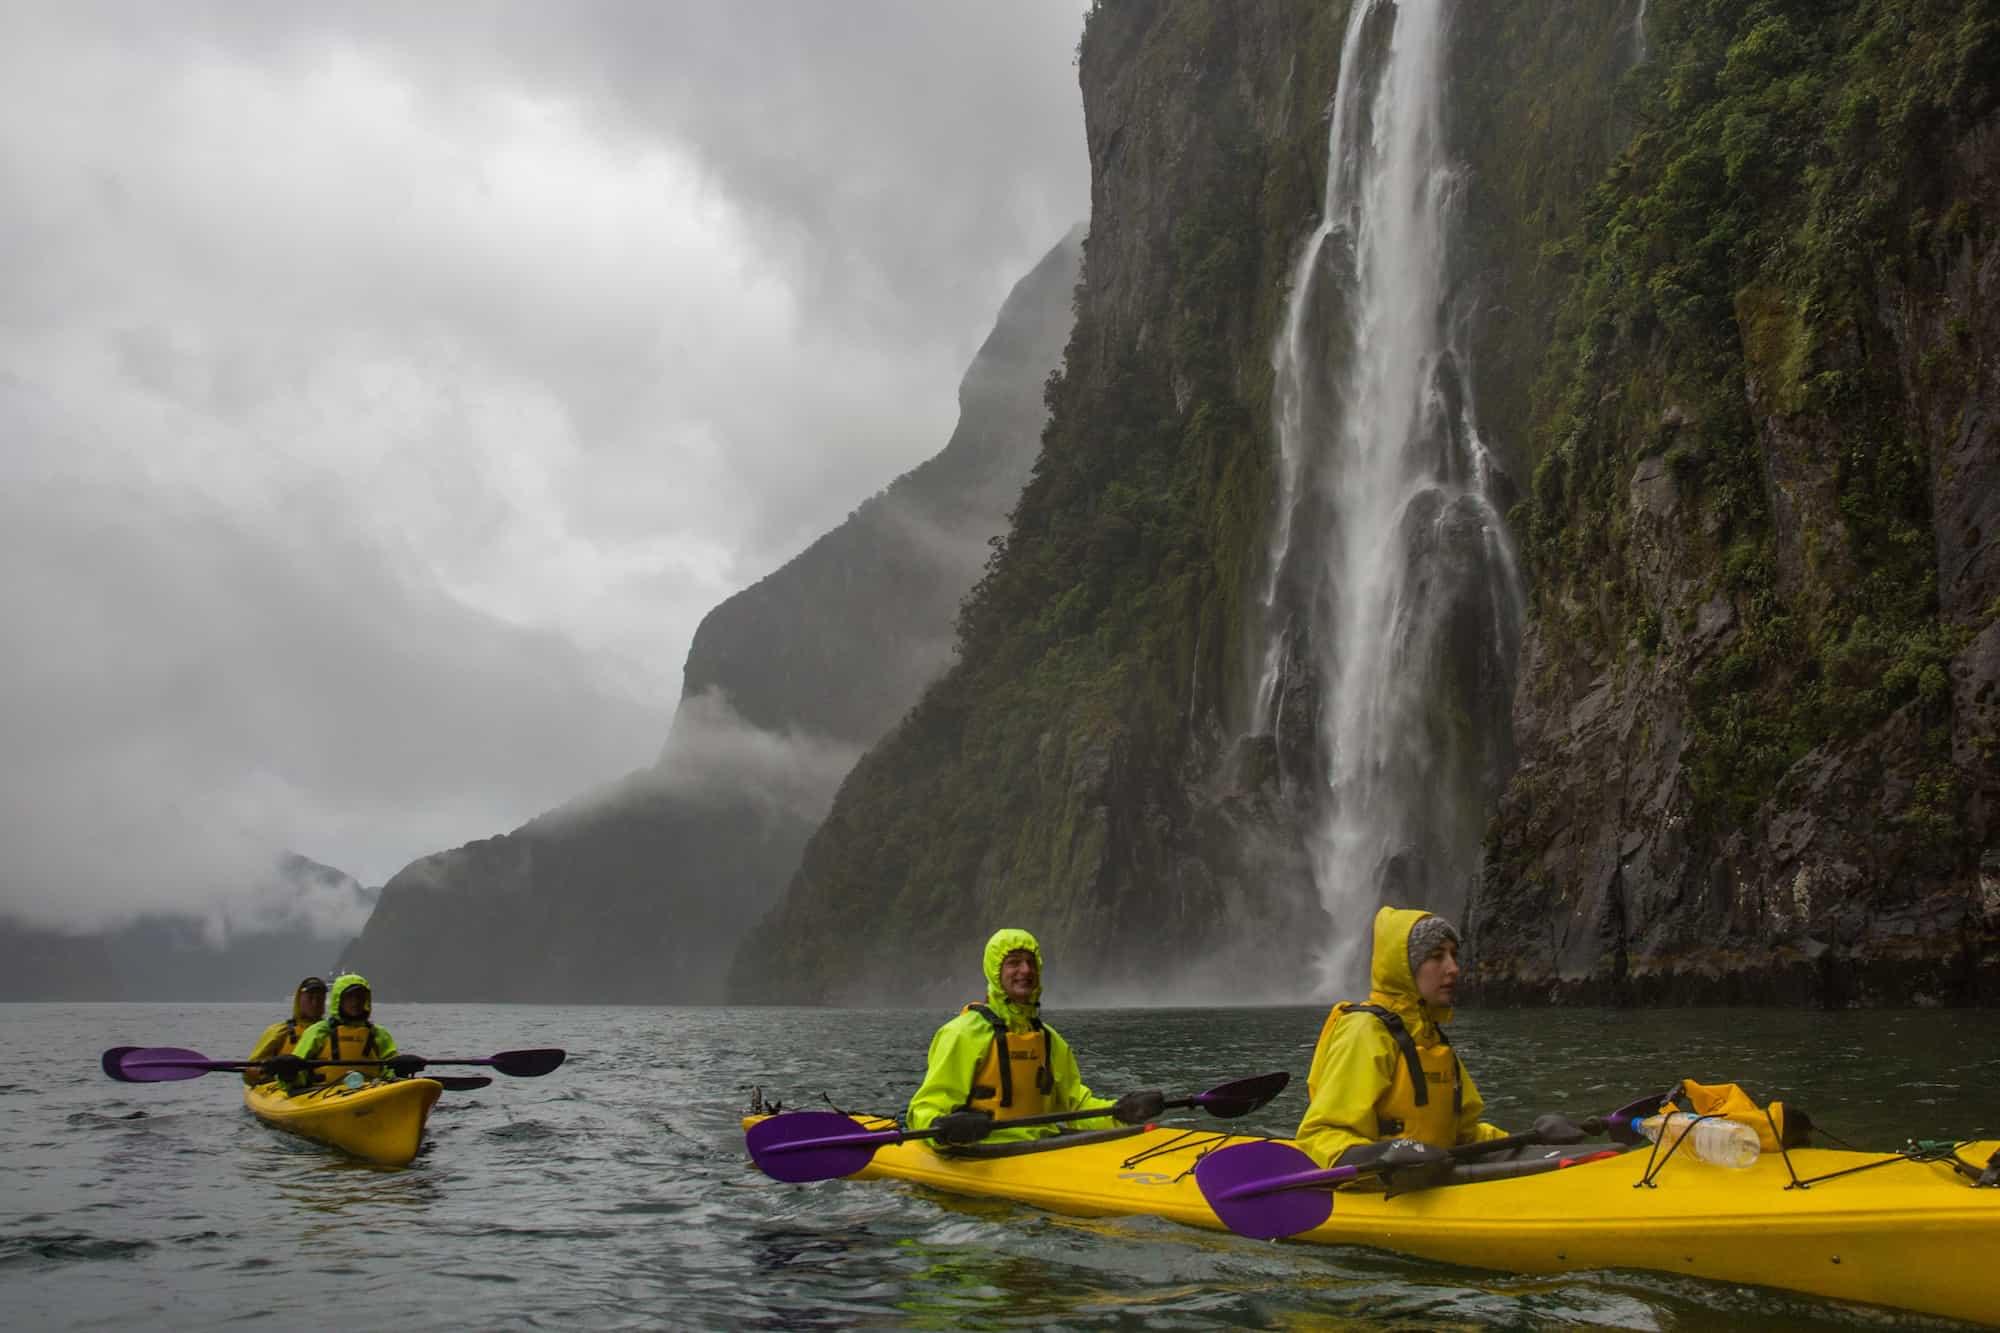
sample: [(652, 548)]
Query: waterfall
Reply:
[(1639, 51), (1391, 607)]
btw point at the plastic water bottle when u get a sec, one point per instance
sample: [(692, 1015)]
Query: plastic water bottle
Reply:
[(1718, 1142), (354, 1080)]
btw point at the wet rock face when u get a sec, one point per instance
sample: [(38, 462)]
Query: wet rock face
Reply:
[(1869, 873)]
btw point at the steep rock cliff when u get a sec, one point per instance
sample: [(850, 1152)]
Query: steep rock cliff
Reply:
[(1757, 720), (639, 892), (1077, 771), (1733, 290)]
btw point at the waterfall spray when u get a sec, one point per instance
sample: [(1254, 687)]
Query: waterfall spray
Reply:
[(1392, 586)]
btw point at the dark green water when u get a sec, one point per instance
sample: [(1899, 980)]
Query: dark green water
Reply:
[(615, 1192)]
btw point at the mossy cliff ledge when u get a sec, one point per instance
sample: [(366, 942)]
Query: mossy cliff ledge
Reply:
[(1758, 721)]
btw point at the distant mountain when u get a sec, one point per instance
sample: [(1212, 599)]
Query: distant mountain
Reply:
[(256, 946), (639, 892)]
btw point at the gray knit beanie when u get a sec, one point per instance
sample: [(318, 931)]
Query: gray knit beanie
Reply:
[(1426, 935)]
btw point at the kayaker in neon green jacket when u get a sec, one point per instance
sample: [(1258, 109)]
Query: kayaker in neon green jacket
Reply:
[(997, 1061), (348, 1032), (308, 1007), (1384, 1070)]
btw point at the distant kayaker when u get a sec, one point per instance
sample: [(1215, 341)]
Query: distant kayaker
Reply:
[(997, 1061), (1383, 1072), (349, 1033), (308, 1007)]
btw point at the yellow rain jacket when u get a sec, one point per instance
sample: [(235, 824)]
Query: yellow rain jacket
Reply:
[(332, 1039), (278, 1037), (969, 1053), (1361, 1086)]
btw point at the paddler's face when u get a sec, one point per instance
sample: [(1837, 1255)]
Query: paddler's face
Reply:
[(312, 1005), (1019, 976), (354, 1002), (1437, 976)]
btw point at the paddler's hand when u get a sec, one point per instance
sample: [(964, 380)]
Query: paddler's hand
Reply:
[(1411, 1159), (1137, 1108), (404, 1066), (1557, 1128), (285, 1068), (963, 1127)]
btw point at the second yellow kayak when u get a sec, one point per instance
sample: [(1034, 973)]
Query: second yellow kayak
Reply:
[(380, 1122)]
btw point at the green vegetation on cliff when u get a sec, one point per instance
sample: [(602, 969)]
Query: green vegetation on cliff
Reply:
[(1728, 313)]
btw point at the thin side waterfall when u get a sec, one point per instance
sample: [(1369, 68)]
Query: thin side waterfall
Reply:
[(1392, 604), (1639, 51)]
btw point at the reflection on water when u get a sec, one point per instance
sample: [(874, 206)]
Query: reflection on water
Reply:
[(615, 1192)]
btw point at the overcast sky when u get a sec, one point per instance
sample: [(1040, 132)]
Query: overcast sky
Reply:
[(387, 390)]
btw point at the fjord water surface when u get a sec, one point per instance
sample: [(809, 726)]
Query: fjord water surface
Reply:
[(615, 1192)]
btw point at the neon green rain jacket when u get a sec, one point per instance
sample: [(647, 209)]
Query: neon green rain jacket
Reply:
[(278, 1037), (1357, 1058), (316, 1039), (959, 1046)]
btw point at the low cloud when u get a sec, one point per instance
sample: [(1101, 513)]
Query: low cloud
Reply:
[(225, 691), (713, 752)]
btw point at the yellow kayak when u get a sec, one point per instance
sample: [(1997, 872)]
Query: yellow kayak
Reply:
[(380, 1122), (1911, 1235)]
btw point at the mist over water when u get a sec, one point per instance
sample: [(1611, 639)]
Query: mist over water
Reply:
[(1392, 607)]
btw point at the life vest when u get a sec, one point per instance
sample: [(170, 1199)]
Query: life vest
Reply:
[(1014, 1077), (1408, 1109), (347, 1041)]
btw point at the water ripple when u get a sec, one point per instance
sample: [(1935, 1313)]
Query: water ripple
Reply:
[(579, 1202)]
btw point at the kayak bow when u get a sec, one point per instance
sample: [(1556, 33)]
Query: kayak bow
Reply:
[(380, 1122)]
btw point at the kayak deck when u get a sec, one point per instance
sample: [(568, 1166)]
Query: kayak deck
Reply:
[(1910, 1235), (380, 1121)]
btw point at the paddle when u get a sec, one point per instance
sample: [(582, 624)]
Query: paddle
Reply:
[(163, 1064), (801, 1146), (1271, 1190), (462, 1083)]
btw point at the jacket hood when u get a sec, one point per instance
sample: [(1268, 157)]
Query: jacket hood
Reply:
[(1003, 943), (1391, 984), (299, 1001), (343, 984)]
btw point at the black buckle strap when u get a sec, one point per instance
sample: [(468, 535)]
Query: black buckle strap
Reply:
[(1407, 1044)]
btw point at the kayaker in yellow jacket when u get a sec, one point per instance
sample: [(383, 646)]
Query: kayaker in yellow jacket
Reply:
[(308, 1007), (1383, 1070), (997, 1061), (347, 1033)]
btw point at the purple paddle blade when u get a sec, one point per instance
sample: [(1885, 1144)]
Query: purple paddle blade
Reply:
[(1229, 1179), (799, 1146), (1620, 1125), (1240, 1098), (111, 1058), (158, 1064)]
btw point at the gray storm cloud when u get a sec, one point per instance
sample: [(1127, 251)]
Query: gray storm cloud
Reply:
[(386, 391)]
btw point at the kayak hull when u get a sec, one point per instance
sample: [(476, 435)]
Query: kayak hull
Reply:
[(380, 1122), (1910, 1235)]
